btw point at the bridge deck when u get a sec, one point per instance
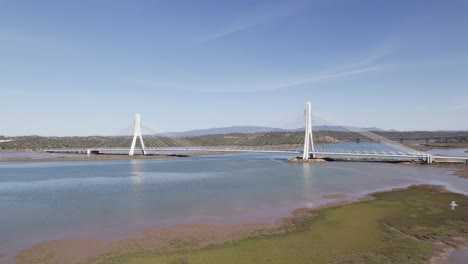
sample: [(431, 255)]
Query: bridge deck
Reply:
[(416, 155)]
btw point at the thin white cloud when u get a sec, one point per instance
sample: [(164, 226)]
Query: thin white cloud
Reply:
[(349, 70), (250, 21), (324, 77), (385, 48), (279, 85)]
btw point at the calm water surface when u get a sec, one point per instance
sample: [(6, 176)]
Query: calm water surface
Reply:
[(459, 256), (449, 152), (113, 199)]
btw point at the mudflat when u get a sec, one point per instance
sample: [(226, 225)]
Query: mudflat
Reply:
[(335, 196), (104, 157), (412, 225)]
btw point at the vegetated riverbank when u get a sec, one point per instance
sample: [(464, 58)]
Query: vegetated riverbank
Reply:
[(412, 225), (103, 157)]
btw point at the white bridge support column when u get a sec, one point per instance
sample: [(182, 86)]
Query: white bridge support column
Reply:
[(137, 134), (429, 159), (309, 139)]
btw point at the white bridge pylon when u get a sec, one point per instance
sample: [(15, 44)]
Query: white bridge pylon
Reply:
[(309, 139), (137, 134), (320, 147)]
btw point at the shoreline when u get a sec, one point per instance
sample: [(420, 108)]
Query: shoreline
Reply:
[(110, 157), (445, 254), (160, 238), (159, 241), (431, 146), (459, 169)]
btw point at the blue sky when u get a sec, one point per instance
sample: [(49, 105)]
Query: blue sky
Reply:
[(86, 67)]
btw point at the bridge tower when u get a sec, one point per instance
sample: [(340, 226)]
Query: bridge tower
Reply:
[(137, 134), (309, 139)]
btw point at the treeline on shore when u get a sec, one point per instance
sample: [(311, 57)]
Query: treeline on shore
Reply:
[(256, 139)]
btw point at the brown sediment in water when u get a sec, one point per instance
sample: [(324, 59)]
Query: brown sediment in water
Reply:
[(62, 251), (164, 239), (460, 169), (462, 172), (160, 239), (334, 196)]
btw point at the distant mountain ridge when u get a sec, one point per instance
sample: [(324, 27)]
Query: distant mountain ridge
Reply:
[(256, 129), (224, 130)]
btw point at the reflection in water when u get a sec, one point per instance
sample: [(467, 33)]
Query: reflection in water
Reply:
[(136, 198), (137, 171), (307, 174)]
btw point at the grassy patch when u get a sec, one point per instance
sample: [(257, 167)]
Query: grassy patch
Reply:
[(397, 227)]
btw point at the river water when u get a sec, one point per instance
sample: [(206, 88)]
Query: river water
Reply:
[(449, 152), (113, 199), (459, 256)]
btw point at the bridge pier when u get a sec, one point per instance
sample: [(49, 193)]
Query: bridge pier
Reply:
[(429, 159)]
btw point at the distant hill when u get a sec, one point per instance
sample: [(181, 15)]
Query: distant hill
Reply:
[(256, 129), (225, 130)]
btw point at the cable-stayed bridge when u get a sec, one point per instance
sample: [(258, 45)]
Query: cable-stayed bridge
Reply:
[(298, 136)]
